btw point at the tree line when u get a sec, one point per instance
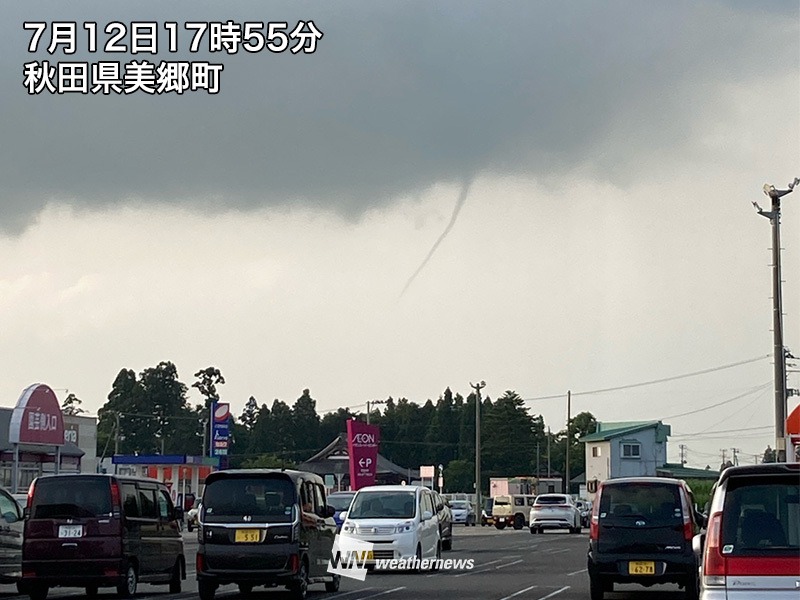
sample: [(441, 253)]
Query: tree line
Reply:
[(150, 413)]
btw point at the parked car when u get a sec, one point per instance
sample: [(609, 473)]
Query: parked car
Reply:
[(340, 501), (512, 510), (585, 508), (264, 527), (21, 499), (554, 511), (487, 517), (193, 515), (399, 520), (463, 512), (641, 532), (752, 544), (445, 515), (95, 531), (11, 513)]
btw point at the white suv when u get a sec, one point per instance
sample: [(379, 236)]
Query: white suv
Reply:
[(554, 511), (752, 544), (398, 520)]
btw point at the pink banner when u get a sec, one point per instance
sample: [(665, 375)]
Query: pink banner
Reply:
[(362, 446)]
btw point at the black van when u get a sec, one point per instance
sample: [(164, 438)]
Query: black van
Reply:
[(264, 527), (100, 530), (641, 532)]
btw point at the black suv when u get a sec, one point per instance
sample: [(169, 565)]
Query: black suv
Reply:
[(445, 515), (264, 527), (641, 532)]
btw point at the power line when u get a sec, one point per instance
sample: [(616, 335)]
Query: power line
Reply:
[(728, 401), (654, 381)]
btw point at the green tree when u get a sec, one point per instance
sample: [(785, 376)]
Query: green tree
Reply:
[(207, 381), (306, 425), (250, 413), (72, 405), (335, 423), (126, 405), (281, 431), (165, 398), (507, 439), (459, 476), (268, 461)]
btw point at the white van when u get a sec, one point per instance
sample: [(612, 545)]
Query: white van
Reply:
[(399, 520)]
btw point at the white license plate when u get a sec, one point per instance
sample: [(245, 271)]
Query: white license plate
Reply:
[(70, 531)]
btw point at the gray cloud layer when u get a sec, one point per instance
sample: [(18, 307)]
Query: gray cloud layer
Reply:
[(397, 97)]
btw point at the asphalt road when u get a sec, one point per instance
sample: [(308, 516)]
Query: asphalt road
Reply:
[(507, 564)]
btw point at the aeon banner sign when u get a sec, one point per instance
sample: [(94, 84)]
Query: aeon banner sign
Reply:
[(37, 418), (362, 446)]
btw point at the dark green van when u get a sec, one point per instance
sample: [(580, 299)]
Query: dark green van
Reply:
[(264, 527)]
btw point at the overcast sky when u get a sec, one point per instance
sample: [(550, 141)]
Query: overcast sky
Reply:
[(543, 195)]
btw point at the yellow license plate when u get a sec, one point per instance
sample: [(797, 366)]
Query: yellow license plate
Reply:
[(641, 567), (368, 555), (247, 536)]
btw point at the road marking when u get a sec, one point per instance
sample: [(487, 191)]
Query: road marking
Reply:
[(563, 589), (397, 589), (576, 572), (557, 551), (527, 589), (491, 569), (353, 592)]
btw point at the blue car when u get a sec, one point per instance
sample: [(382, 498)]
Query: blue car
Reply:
[(340, 501)]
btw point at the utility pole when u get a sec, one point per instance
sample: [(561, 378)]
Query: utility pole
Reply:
[(683, 454), (116, 433), (548, 453), (569, 437), (538, 464), (724, 456), (779, 366), (478, 387), (735, 456)]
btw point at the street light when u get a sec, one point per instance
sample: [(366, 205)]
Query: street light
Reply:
[(373, 403), (774, 216), (478, 387)]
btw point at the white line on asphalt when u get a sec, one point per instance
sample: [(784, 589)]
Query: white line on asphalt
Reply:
[(563, 589), (348, 593), (527, 589), (576, 572), (491, 569), (558, 551), (397, 589)]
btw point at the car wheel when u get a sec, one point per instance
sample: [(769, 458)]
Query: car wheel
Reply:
[(37, 591), (127, 588), (500, 525), (333, 585), (189, 527), (175, 580), (299, 588), (206, 590), (578, 529), (519, 522), (533, 530), (91, 591), (596, 588), (245, 588)]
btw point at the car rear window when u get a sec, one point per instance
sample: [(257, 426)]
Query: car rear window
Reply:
[(383, 505), (71, 497), (459, 504), (263, 499), (761, 516), (655, 502), (339, 502), (551, 500)]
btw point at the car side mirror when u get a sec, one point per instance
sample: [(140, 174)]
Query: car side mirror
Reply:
[(698, 542), (343, 516), (427, 515)]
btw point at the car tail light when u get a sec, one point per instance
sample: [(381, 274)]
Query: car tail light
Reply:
[(594, 525), (199, 563), (714, 566), (115, 496), (294, 563), (30, 492)]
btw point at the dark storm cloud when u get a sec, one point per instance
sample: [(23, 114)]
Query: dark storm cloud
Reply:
[(397, 98)]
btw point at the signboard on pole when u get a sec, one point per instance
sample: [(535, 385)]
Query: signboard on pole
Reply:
[(37, 418), (220, 415), (362, 446)]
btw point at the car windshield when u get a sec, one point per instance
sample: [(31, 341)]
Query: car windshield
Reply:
[(263, 499), (459, 505), (656, 502), (340, 502), (71, 497), (383, 505), (551, 500), (762, 517)]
